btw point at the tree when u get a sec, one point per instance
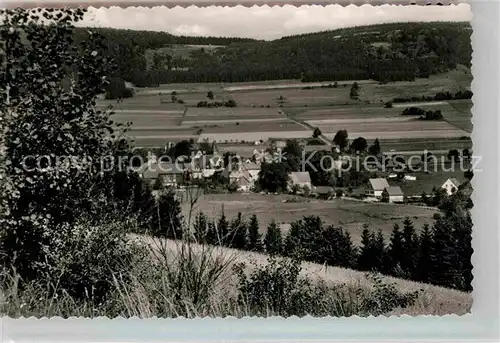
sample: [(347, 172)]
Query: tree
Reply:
[(273, 177), (466, 153), (468, 174), (116, 89), (167, 217), (222, 230), (200, 228), (254, 241), (341, 139), (336, 248), (273, 240), (210, 95), (410, 248), (379, 252), (443, 255), (47, 109), (359, 144), (366, 256), (292, 154), (453, 155), (424, 259), (238, 233), (395, 252), (354, 93), (317, 132), (374, 149)]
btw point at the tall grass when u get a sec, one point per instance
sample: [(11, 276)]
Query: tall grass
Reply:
[(179, 278)]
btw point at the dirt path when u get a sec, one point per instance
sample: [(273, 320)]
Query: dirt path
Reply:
[(308, 127)]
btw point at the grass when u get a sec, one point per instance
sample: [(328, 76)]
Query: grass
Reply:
[(190, 280), (346, 213)]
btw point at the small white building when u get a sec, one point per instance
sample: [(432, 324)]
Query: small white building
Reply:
[(393, 194), (451, 186), (376, 187)]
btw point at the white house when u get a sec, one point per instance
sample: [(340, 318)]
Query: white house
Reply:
[(301, 179), (393, 194), (451, 185), (376, 187)]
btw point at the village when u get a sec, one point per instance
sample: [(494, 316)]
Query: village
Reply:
[(394, 181)]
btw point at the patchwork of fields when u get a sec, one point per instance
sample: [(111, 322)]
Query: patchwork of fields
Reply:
[(259, 116)]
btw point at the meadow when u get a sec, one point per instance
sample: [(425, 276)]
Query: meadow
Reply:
[(350, 214)]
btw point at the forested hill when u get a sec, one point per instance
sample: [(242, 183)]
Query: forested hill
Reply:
[(386, 52)]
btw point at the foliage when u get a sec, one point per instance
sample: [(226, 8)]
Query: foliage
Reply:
[(273, 240), (374, 149), (116, 89), (254, 242), (273, 177), (48, 114), (166, 216), (359, 144), (341, 139), (316, 132), (238, 232)]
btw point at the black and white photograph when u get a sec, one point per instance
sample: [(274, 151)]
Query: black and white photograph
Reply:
[(236, 161)]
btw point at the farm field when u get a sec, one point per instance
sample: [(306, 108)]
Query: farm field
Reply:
[(237, 113), (402, 144), (283, 125), (453, 81), (390, 129), (252, 136), (293, 97), (347, 213)]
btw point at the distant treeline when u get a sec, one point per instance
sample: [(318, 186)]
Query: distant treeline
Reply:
[(397, 52), (460, 95)]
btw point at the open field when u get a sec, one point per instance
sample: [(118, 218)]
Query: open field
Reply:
[(283, 126), (463, 115), (421, 144), (434, 300), (252, 136), (226, 113), (293, 97), (390, 129), (453, 81), (349, 214)]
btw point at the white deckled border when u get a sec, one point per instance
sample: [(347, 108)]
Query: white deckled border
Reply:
[(481, 325)]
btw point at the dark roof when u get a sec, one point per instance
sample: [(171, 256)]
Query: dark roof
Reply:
[(393, 191), (323, 190)]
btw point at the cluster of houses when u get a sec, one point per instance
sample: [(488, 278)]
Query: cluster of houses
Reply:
[(244, 173)]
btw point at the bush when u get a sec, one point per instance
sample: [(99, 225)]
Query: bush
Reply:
[(276, 289)]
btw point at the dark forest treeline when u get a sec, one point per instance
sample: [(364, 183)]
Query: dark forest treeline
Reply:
[(393, 52)]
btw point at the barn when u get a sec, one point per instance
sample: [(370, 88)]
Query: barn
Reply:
[(392, 194)]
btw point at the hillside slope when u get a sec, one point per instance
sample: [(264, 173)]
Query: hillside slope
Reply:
[(386, 52), (434, 300)]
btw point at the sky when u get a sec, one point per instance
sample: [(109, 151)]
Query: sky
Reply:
[(265, 22)]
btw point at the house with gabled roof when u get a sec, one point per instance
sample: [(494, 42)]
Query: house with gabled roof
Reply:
[(451, 185), (393, 194)]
